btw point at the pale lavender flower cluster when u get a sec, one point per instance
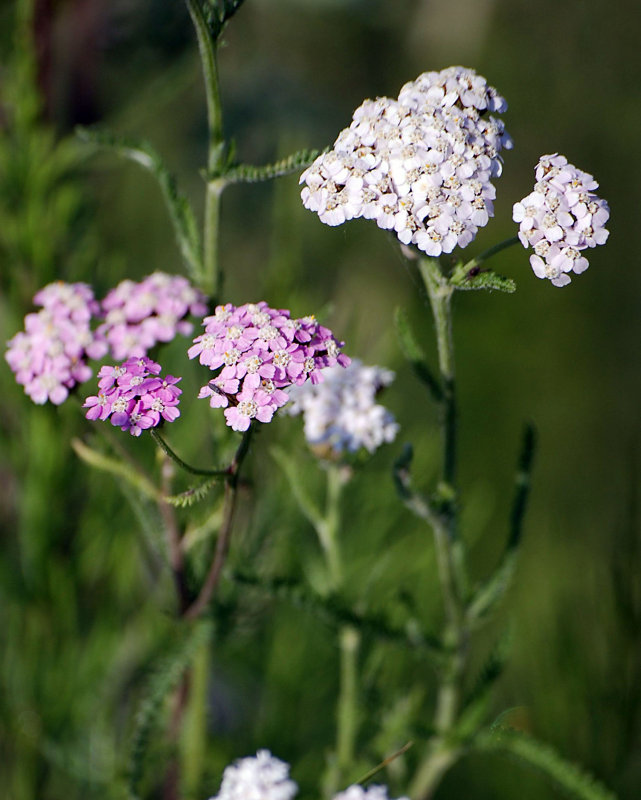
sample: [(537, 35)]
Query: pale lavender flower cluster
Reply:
[(341, 414), (265, 777), (49, 356), (261, 351), (561, 218), (357, 792), (420, 166), (135, 396), (139, 315)]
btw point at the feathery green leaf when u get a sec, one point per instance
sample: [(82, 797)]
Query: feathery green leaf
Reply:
[(180, 211), (163, 680), (573, 779), (247, 173)]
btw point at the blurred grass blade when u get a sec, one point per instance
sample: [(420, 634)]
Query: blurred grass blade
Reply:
[(305, 502), (493, 590), (180, 212), (569, 776), (246, 173), (163, 680), (116, 467), (415, 355)]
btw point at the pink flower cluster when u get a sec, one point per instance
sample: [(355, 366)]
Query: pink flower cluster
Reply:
[(139, 315), (134, 396), (260, 351), (49, 356)]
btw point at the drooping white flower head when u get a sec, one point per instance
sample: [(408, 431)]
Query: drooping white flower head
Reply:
[(341, 414), (260, 777), (561, 218), (359, 793), (419, 166)]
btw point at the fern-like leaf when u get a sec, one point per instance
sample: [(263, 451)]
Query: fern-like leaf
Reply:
[(180, 211), (162, 681), (332, 612), (246, 173), (576, 781), (192, 495)]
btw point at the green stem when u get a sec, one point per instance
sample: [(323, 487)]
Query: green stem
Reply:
[(449, 549), (487, 254), (211, 282), (347, 713), (327, 527), (222, 473), (210, 584)]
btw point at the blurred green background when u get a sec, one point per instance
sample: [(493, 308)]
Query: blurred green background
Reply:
[(85, 603)]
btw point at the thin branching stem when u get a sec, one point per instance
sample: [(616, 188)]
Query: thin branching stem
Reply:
[(211, 282), (222, 473), (212, 579), (441, 753)]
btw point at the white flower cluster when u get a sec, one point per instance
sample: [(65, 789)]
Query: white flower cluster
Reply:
[(260, 777), (561, 218), (341, 413), (420, 165), (359, 793), (265, 777)]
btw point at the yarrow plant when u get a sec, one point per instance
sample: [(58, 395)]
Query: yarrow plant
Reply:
[(134, 396), (341, 414), (561, 218), (260, 351), (139, 315), (50, 356), (265, 777), (420, 166)]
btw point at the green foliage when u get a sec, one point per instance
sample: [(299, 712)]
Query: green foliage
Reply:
[(164, 679), (44, 225), (415, 355), (180, 212), (493, 590), (245, 173), (574, 780)]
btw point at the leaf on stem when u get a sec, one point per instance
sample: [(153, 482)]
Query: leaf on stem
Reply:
[(415, 355), (477, 703), (417, 503), (247, 173), (180, 211), (493, 590), (116, 467), (192, 495), (217, 14), (465, 278), (162, 681), (569, 776), (331, 611)]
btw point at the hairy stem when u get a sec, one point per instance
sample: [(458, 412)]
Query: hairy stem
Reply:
[(211, 279), (449, 550)]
